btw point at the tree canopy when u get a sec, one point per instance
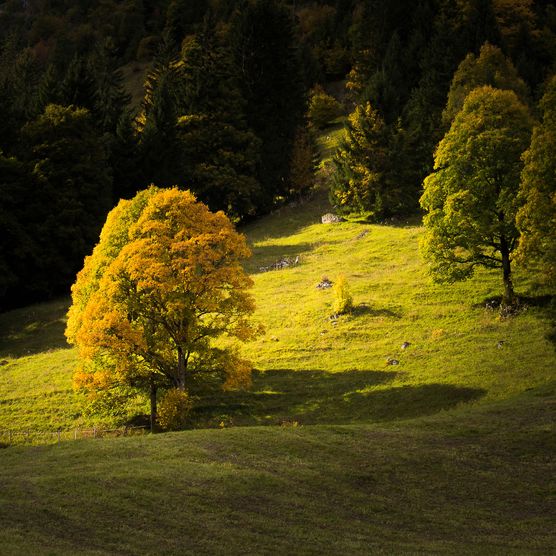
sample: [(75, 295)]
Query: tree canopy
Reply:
[(492, 68), (537, 218), (164, 281), (471, 198)]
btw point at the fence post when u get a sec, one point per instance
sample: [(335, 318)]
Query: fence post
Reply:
[(94, 432), (75, 434), (58, 432), (10, 435)]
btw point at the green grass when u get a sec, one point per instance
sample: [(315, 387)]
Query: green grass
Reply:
[(450, 451), (311, 369), (468, 482)]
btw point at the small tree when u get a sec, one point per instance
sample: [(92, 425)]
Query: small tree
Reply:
[(323, 108), (164, 281), (343, 301), (471, 198), (537, 218)]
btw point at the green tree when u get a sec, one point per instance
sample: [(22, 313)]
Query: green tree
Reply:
[(471, 198), (367, 177), (162, 284), (73, 191), (323, 108), (537, 218), (18, 249), (492, 68), (270, 73), (219, 155)]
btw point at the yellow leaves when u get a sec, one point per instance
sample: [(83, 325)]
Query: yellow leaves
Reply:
[(166, 276)]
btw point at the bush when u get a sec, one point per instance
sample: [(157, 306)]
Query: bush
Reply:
[(343, 302), (173, 410), (323, 108)]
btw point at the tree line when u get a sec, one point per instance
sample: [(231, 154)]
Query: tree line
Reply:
[(224, 107)]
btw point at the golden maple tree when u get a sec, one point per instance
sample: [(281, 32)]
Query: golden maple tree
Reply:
[(164, 281)]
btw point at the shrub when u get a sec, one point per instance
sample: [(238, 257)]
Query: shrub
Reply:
[(343, 302), (173, 410), (323, 108)]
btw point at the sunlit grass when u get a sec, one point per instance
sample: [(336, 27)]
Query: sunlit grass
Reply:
[(323, 370)]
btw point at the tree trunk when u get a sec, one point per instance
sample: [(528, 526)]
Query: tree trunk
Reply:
[(509, 295), (153, 405), (181, 369)]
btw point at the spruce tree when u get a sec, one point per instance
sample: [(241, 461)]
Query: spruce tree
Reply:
[(264, 47)]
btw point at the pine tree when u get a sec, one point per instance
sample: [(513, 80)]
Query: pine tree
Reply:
[(366, 178), (73, 191), (262, 39)]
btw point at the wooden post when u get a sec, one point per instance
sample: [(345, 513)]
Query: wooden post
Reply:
[(75, 434), (58, 432), (94, 432)]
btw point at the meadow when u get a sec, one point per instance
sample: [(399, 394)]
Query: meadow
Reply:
[(332, 450)]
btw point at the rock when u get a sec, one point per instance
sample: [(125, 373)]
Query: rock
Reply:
[(391, 361), (330, 218), (500, 344), (405, 345), (324, 284), (362, 234), (280, 264)]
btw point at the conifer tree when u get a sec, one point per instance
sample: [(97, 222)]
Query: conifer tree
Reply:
[(366, 177), (262, 39), (74, 188)]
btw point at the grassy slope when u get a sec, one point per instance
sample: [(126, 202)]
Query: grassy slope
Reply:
[(472, 482), (312, 370), (471, 472)]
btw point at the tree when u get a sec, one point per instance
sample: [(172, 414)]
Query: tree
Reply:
[(323, 108), (264, 47), (72, 191), (471, 197), (164, 281), (492, 68), (367, 168), (537, 217), (219, 153)]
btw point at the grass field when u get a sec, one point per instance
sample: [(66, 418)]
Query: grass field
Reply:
[(472, 481), (451, 451)]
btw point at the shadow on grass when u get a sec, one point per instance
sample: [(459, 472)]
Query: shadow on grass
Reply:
[(319, 397), (365, 309), (34, 329), (289, 219), (523, 301)]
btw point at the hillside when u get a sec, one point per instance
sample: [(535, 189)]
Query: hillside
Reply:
[(312, 369), (450, 451), (470, 482)]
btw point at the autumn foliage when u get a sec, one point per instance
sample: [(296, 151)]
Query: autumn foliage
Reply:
[(164, 281)]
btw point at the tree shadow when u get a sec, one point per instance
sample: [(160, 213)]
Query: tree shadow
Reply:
[(34, 329), (523, 301), (366, 309), (319, 397), (289, 219)]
